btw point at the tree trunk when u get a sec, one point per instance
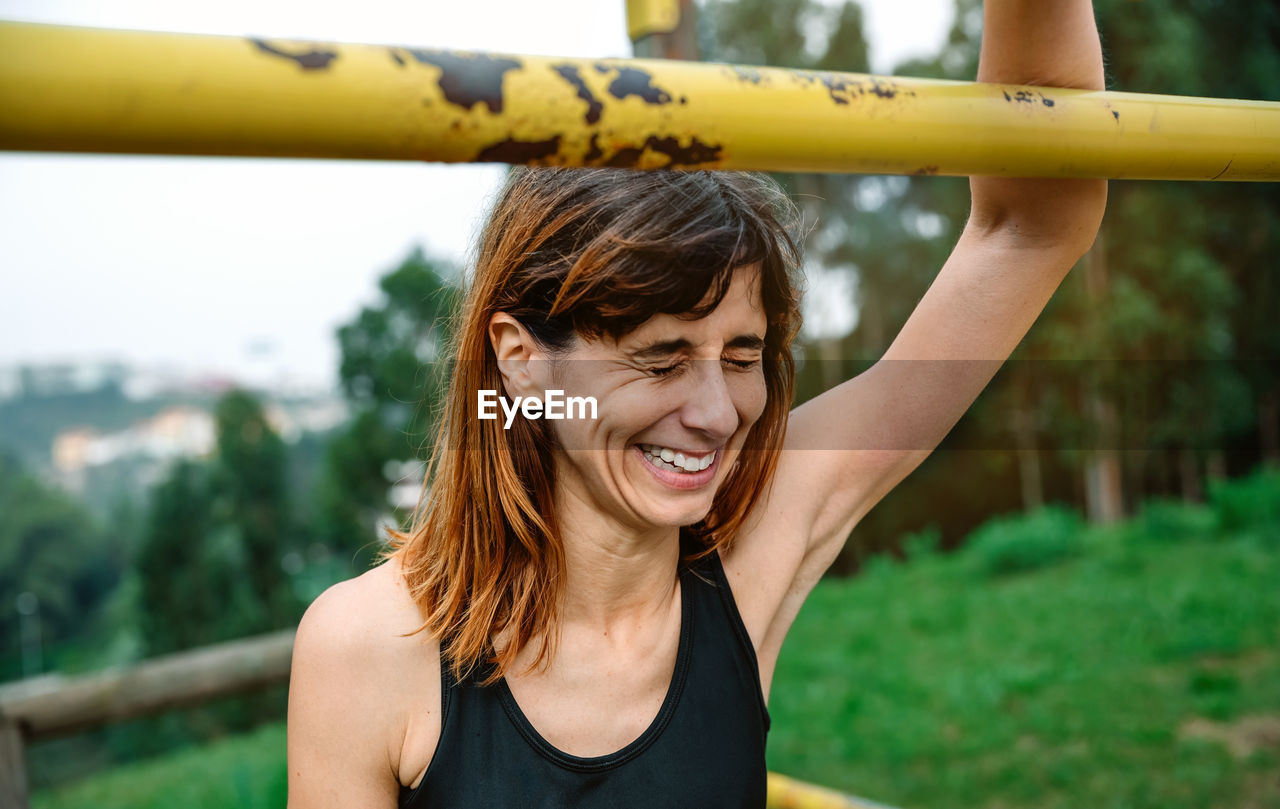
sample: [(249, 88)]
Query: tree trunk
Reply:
[(1216, 465), (1189, 474), (1029, 476), (832, 364), (1103, 490), (1269, 426), (1104, 493)]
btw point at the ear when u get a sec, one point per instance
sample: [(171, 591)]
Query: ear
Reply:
[(519, 356)]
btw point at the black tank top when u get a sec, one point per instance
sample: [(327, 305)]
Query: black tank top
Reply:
[(705, 748)]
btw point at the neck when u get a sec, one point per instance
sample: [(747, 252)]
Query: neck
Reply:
[(614, 572)]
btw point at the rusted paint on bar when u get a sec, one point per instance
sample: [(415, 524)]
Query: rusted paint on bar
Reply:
[(96, 90)]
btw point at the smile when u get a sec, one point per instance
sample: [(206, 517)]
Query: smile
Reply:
[(676, 460)]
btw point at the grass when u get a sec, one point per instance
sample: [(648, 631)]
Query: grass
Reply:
[(244, 772), (1139, 669), (1117, 679)]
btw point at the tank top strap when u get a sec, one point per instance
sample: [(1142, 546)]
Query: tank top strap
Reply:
[(713, 574)]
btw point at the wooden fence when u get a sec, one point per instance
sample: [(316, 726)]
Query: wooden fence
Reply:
[(54, 705)]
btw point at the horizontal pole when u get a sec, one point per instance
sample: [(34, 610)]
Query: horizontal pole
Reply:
[(96, 90), (788, 793), (55, 706)]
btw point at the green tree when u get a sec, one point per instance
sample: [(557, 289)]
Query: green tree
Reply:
[(183, 586), (210, 562), (1140, 347), (250, 481), (53, 549), (392, 375)]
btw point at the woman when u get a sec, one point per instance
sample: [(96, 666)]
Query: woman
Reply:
[(587, 611)]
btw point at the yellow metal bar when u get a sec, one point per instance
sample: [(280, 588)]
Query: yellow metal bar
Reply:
[(95, 90), (788, 793)]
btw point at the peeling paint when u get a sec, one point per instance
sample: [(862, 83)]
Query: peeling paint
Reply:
[(632, 81), (883, 89), (839, 89), (925, 171), (312, 58), (695, 154), (469, 79), (843, 87), (570, 74), (518, 151), (593, 154)]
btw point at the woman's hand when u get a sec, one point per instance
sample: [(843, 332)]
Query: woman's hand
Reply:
[(1053, 44)]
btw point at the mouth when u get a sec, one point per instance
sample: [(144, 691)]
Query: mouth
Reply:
[(678, 468)]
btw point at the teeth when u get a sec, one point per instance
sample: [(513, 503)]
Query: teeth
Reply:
[(676, 461)]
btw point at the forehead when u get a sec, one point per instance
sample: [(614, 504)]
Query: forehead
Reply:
[(740, 311)]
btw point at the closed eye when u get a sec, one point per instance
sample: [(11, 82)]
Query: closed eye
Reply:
[(668, 370), (672, 370)]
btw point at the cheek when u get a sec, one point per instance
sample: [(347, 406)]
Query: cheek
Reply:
[(750, 394)]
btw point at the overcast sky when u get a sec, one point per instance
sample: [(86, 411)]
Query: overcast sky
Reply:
[(195, 263)]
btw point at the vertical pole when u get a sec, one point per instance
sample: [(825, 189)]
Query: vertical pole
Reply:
[(663, 29), (13, 769)]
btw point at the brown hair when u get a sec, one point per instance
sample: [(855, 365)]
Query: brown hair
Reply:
[(589, 252)]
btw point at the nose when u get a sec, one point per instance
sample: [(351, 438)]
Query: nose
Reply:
[(709, 408)]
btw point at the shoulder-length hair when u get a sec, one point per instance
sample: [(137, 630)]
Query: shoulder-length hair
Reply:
[(587, 252)]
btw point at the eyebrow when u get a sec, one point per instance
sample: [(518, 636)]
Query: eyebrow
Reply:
[(665, 348)]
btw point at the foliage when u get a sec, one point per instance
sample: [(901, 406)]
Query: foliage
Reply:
[(250, 479), (391, 373), (1174, 521), (1250, 503), (1023, 542), (209, 565), (52, 548)]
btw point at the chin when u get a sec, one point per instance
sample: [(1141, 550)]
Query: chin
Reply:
[(678, 518)]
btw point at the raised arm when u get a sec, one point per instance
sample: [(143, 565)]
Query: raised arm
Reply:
[(848, 447)]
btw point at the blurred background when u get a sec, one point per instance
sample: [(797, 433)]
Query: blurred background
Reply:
[(214, 389)]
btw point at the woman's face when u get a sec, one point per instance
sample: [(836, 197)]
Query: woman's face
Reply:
[(675, 399)]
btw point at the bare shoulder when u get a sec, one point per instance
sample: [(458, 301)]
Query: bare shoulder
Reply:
[(364, 697)]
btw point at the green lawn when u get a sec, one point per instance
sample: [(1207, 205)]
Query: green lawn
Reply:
[(1135, 667), (1118, 679)]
